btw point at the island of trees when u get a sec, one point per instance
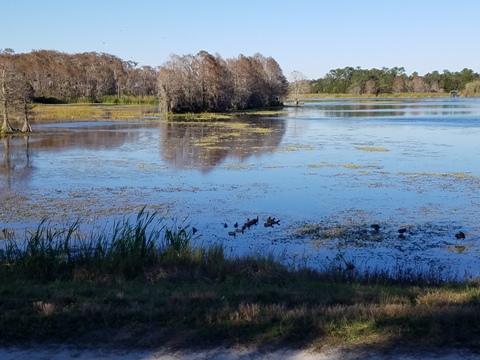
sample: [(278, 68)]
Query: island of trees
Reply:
[(209, 83), (192, 83)]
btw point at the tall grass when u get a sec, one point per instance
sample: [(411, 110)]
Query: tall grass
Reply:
[(130, 100), (45, 255), (125, 251)]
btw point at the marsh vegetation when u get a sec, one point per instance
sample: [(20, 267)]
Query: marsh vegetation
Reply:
[(143, 284)]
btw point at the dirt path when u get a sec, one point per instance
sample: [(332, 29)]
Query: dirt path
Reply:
[(62, 353)]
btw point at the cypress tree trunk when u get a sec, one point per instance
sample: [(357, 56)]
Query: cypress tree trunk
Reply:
[(6, 124), (26, 126)]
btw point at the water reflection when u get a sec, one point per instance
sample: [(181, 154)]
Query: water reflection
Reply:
[(88, 135), (183, 144), (15, 165), (207, 145), (392, 107)]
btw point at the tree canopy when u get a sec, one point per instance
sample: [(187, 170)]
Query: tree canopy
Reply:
[(87, 76)]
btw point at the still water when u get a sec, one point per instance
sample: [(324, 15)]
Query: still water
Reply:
[(329, 167)]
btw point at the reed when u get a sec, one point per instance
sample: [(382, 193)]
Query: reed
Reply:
[(125, 251)]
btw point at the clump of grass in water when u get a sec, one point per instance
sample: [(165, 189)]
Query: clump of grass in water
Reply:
[(433, 174), (353, 166), (369, 148)]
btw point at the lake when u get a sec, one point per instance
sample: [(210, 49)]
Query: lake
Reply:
[(328, 169)]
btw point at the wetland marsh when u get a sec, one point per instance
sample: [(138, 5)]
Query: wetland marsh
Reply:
[(327, 169)]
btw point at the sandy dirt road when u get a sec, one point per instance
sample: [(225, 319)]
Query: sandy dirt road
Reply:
[(62, 353)]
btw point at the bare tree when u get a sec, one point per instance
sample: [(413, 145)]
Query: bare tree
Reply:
[(213, 76), (298, 84), (170, 90), (371, 87), (275, 83), (246, 83), (399, 84), (417, 84)]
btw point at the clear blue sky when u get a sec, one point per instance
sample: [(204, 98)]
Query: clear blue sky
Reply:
[(310, 36)]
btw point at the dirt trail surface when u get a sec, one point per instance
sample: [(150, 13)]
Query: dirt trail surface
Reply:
[(61, 353)]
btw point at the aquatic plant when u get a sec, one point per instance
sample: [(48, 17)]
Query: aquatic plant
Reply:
[(370, 148)]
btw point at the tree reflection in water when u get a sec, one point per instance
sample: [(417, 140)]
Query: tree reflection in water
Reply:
[(204, 146)]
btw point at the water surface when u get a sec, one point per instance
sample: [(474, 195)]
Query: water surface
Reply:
[(336, 166)]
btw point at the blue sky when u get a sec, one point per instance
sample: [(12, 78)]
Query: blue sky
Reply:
[(310, 36)]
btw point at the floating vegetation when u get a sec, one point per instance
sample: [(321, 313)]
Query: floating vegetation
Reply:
[(259, 130), (294, 148), (207, 140), (433, 174), (348, 233), (215, 147), (458, 248), (368, 148), (231, 134), (353, 166), (152, 166), (205, 116), (320, 165), (238, 166)]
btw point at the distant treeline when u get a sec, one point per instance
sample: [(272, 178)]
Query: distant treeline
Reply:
[(186, 83), (357, 81), (59, 77), (193, 83)]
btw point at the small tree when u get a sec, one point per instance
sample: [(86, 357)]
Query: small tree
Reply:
[(298, 84)]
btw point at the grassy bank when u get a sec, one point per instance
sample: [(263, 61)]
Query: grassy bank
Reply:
[(142, 284), (63, 112), (92, 111)]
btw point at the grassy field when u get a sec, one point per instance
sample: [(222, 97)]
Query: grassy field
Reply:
[(142, 284)]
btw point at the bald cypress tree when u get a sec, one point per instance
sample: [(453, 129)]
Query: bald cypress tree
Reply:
[(16, 94)]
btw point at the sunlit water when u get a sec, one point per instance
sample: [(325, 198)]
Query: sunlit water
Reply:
[(343, 164)]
